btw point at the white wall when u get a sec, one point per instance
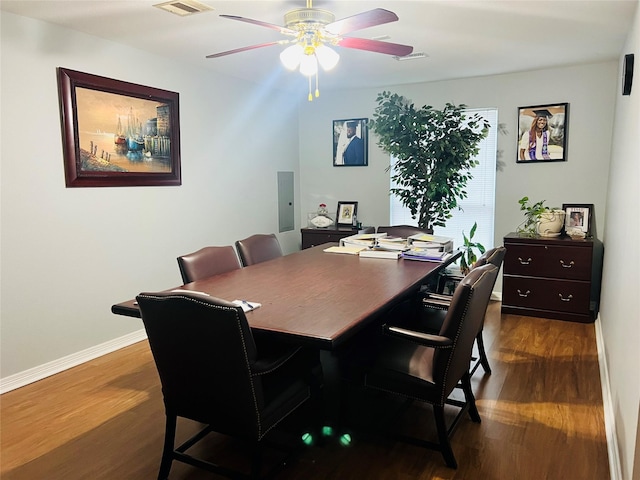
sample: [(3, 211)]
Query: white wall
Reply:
[(590, 91), (69, 254), (619, 301)]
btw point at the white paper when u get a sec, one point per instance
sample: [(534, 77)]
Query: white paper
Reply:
[(247, 305)]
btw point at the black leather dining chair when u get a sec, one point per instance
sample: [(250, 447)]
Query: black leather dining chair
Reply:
[(435, 305), (258, 248), (213, 372), (427, 367), (206, 262)]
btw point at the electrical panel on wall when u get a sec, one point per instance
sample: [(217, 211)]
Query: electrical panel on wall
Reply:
[(285, 202)]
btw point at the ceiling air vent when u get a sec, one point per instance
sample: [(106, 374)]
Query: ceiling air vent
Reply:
[(184, 7)]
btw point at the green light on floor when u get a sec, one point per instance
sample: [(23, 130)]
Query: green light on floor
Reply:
[(327, 431), (307, 438), (345, 439)]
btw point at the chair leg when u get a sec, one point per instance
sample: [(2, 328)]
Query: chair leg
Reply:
[(317, 408), (256, 461), (443, 437), (167, 450), (483, 355), (470, 399)]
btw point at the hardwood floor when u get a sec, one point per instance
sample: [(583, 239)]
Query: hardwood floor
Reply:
[(541, 409)]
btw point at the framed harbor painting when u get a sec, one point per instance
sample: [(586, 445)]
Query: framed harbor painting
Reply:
[(117, 134), (350, 141), (542, 133)]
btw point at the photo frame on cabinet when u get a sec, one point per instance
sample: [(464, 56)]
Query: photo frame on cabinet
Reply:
[(551, 145), (345, 214), (578, 216), (350, 143), (116, 133)]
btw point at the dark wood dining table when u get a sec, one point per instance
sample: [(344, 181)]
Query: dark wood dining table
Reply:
[(312, 297), (317, 299)]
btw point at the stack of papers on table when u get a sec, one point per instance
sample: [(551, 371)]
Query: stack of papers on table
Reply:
[(362, 239), (392, 243), (378, 253), (423, 240), (425, 255), (348, 249), (247, 306)]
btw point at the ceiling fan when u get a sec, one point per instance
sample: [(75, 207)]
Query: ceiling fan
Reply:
[(314, 31)]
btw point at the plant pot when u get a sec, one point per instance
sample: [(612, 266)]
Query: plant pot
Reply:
[(550, 223)]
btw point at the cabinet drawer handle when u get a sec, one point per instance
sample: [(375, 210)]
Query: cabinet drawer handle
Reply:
[(568, 299), (567, 265), (525, 262), (525, 294)]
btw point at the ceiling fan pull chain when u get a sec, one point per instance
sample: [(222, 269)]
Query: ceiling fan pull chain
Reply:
[(317, 89), (310, 96)]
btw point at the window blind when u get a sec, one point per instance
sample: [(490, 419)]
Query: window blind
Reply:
[(479, 206)]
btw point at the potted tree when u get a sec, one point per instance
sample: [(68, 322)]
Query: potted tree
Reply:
[(434, 152), (540, 219)]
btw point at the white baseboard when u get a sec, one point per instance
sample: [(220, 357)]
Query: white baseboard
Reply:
[(615, 467), (46, 370)]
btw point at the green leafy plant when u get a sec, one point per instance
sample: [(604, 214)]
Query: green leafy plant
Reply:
[(469, 256), (434, 152), (533, 214)]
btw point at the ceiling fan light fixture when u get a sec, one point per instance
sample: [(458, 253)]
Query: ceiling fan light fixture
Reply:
[(327, 57), (291, 56), (314, 31), (308, 18), (308, 65)]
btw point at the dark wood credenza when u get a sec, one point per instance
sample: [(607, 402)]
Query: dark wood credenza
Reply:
[(552, 277), (317, 236)]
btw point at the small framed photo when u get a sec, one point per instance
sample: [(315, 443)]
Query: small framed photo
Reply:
[(578, 218), (542, 133), (346, 212), (350, 143)]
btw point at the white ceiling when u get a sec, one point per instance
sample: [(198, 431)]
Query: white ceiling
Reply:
[(460, 38)]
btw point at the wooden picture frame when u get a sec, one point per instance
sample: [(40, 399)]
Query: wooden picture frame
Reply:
[(346, 212), (578, 216), (116, 133), (551, 146), (350, 143)]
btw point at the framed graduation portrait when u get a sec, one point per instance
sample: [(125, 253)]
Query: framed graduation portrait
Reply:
[(542, 133), (350, 143)]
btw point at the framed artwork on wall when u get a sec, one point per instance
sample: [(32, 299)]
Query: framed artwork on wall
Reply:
[(542, 133), (350, 143), (346, 212), (116, 133)]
